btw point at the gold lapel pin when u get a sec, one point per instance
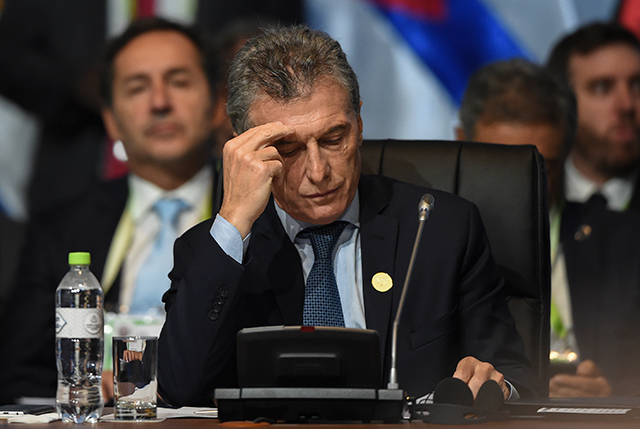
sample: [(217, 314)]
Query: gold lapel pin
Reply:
[(382, 282)]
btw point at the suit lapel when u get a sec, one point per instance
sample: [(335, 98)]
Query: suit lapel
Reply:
[(110, 203), (634, 203), (379, 235), (271, 248), (582, 249)]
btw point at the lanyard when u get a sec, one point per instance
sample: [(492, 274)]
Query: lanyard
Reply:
[(554, 229), (123, 237)]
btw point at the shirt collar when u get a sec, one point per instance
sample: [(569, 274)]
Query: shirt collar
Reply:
[(617, 190), (144, 194), (293, 226)]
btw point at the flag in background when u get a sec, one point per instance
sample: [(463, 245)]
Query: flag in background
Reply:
[(413, 57), (628, 14)]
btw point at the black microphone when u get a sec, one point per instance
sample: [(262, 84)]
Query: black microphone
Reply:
[(453, 391), (490, 396), (453, 404), (425, 207)]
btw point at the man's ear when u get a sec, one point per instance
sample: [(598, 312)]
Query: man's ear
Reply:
[(460, 134), (110, 124)]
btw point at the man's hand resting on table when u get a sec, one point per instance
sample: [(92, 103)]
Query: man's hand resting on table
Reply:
[(588, 381), (475, 373)]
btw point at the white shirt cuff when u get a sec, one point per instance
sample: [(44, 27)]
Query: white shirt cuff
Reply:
[(513, 392)]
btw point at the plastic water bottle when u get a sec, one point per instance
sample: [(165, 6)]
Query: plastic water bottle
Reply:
[(79, 342)]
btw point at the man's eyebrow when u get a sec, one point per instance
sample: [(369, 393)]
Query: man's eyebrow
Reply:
[(136, 77), (141, 76), (336, 129), (284, 141), (177, 70)]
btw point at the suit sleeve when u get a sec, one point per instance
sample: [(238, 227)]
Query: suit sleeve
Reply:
[(197, 343), (27, 361), (489, 331)]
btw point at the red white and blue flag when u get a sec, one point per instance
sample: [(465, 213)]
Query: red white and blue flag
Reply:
[(413, 58)]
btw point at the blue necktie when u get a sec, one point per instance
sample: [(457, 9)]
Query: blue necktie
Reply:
[(321, 297), (152, 279)]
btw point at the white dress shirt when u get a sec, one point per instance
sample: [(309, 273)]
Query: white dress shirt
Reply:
[(143, 195), (617, 191)]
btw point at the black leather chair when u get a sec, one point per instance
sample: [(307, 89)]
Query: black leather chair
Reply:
[(508, 184)]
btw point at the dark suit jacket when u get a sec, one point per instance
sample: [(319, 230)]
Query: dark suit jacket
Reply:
[(455, 302), (634, 204), (87, 223), (603, 271)]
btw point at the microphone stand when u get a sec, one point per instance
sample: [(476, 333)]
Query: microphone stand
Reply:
[(425, 207)]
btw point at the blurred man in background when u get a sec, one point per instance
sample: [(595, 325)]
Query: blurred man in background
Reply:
[(157, 89), (601, 63), (50, 51), (595, 303)]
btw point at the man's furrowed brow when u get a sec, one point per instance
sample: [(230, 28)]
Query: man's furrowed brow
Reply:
[(336, 129)]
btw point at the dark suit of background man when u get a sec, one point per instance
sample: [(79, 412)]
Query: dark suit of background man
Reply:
[(595, 252), (159, 79), (294, 103), (601, 63)]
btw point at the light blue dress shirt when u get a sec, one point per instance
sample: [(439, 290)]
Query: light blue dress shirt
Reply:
[(346, 256)]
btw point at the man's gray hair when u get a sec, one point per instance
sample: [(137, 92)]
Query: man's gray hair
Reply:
[(285, 64)]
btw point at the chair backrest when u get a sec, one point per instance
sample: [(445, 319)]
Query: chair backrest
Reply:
[(508, 184)]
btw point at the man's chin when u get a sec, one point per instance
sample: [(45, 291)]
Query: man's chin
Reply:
[(323, 216), (620, 166)]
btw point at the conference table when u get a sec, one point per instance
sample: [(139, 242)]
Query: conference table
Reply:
[(197, 423), (210, 423)]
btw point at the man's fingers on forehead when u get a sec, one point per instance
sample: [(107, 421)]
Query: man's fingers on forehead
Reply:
[(272, 129), (269, 133)]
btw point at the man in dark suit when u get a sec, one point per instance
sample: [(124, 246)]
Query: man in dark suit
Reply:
[(595, 251), (159, 102), (292, 178)]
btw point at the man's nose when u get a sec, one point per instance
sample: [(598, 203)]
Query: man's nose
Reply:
[(317, 165), (627, 99), (160, 98)]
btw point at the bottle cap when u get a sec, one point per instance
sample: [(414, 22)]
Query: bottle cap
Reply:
[(79, 258)]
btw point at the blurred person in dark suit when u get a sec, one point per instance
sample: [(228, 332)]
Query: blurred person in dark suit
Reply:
[(158, 100), (50, 50), (11, 242), (595, 251)]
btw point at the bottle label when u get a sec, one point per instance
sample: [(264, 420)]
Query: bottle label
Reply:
[(79, 323)]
